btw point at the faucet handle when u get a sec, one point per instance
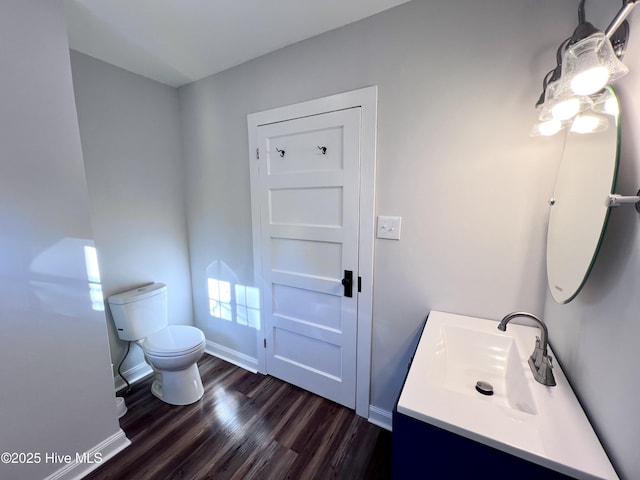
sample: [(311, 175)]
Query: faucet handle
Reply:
[(538, 347)]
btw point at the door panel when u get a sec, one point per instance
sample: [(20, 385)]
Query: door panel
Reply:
[(308, 157), (290, 206), (306, 257), (320, 309), (309, 197)]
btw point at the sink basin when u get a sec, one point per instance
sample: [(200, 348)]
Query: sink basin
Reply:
[(541, 424), (462, 357)]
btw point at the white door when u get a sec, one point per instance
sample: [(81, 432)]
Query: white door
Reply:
[(308, 191)]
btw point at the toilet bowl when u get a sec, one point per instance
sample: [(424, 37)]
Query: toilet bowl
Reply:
[(172, 353), (140, 315)]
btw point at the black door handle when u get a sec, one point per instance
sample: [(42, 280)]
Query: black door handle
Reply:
[(347, 282)]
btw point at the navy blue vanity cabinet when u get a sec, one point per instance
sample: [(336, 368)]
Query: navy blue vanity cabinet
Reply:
[(421, 450)]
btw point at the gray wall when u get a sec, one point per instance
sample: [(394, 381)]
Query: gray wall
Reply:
[(130, 133), (57, 389), (457, 83), (596, 335)]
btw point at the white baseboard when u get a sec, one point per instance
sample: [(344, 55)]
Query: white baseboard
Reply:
[(140, 371), (232, 356), (88, 461), (135, 373), (381, 418)]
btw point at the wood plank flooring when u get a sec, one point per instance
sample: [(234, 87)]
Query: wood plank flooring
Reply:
[(247, 426)]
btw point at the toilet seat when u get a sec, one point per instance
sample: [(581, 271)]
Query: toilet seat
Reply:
[(174, 340)]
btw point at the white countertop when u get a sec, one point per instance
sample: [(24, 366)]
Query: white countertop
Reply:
[(555, 433)]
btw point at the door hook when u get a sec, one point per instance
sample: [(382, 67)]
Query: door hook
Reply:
[(324, 150), (281, 152)]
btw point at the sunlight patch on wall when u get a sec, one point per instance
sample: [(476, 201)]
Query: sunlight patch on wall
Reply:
[(93, 275), (220, 299), (230, 300), (234, 302), (248, 306)]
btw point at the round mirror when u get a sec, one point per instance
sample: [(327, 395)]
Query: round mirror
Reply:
[(579, 211)]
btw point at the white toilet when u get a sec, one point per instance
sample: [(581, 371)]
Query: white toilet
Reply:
[(140, 315)]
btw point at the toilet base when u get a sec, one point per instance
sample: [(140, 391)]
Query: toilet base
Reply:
[(182, 387)]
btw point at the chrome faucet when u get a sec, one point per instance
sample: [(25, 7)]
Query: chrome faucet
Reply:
[(539, 361)]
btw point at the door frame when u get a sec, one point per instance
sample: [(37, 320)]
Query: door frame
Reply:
[(367, 99)]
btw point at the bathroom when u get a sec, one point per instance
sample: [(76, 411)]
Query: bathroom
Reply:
[(454, 160)]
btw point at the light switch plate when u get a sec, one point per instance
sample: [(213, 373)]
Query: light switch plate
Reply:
[(389, 227)]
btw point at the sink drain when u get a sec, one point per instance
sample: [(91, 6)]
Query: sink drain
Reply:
[(485, 388)]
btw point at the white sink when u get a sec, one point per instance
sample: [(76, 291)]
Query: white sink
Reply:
[(545, 425), (462, 357)]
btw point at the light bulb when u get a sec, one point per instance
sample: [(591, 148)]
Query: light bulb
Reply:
[(565, 109), (550, 127), (590, 81), (611, 106), (585, 124)]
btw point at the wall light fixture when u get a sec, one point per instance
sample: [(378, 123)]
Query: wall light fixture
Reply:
[(585, 63)]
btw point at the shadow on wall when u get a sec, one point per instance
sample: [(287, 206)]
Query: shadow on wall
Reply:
[(229, 300)]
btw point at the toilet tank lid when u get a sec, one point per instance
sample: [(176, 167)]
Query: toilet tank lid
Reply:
[(137, 294)]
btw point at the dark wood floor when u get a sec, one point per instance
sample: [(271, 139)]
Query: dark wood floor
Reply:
[(246, 426)]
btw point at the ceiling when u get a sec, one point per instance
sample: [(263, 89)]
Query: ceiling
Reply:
[(180, 41)]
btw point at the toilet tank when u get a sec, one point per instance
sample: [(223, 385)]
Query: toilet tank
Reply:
[(139, 312)]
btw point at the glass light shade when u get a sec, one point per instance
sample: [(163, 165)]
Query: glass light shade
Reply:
[(561, 104), (605, 103), (546, 129), (590, 81), (565, 109), (589, 122), (611, 106), (590, 64)]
